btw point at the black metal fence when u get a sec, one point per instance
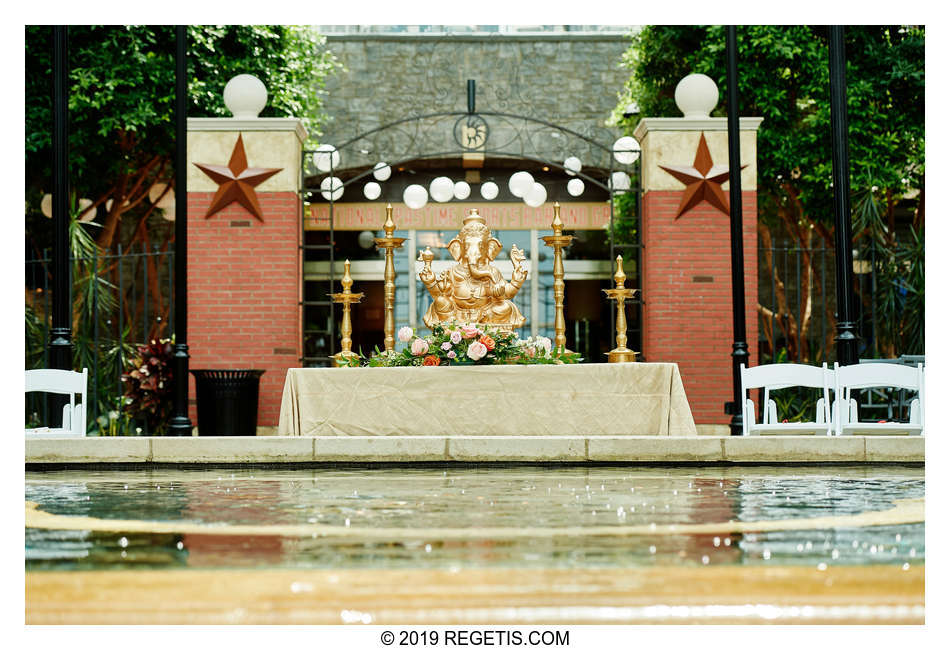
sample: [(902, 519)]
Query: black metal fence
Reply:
[(119, 300)]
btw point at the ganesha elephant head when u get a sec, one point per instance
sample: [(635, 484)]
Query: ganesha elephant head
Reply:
[(475, 248)]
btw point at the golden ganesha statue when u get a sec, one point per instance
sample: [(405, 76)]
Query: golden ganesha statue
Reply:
[(474, 291)]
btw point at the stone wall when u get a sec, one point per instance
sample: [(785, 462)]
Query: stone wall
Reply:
[(568, 80)]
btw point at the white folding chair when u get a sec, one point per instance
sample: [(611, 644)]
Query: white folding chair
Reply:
[(877, 375), (785, 375), (62, 382)]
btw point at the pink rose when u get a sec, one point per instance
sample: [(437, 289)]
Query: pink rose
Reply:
[(455, 337), (405, 333), (451, 354), (419, 347), (446, 346), (476, 351), (469, 331)]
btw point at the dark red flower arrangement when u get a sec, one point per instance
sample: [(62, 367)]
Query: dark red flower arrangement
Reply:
[(148, 385)]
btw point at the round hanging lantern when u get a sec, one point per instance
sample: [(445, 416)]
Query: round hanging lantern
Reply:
[(536, 196), (442, 189), (382, 171), (520, 183), (415, 197), (626, 150), (489, 191), (575, 187), (619, 182), (372, 191), (462, 190), (572, 165), (331, 185), (326, 158)]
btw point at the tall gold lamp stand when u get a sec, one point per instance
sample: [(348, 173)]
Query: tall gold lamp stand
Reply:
[(621, 353), (557, 241), (346, 298), (389, 244)]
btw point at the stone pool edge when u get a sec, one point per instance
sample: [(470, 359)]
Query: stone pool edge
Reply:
[(413, 449)]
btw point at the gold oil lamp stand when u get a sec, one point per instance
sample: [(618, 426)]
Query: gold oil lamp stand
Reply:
[(558, 241), (389, 243), (621, 353), (346, 298)]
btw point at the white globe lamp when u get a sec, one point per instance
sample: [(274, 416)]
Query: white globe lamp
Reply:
[(572, 165), (415, 197), (326, 158), (520, 183), (489, 190), (462, 190), (382, 171), (442, 189), (372, 191), (619, 182), (46, 206), (245, 96), (696, 95), (331, 186), (536, 196), (626, 150), (575, 187)]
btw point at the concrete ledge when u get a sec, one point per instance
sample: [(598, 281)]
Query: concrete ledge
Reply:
[(703, 449), (236, 449), (378, 449), (517, 448)]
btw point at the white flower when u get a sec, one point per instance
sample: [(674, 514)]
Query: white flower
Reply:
[(476, 351), (405, 333), (113, 415), (545, 343)]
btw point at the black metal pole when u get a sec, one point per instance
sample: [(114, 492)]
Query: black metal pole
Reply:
[(740, 350), (847, 340), (180, 423), (60, 335)]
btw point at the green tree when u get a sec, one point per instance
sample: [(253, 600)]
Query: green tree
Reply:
[(783, 77), (121, 107)]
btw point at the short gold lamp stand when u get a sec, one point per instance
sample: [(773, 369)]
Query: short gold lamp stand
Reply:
[(389, 243), (621, 353), (346, 298), (558, 241)]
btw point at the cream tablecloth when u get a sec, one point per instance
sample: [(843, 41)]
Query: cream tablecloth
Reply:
[(635, 399)]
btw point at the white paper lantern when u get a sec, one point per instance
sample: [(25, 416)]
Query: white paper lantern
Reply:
[(382, 171), (245, 96), (415, 197), (365, 239), (372, 191), (536, 196), (442, 189), (331, 185), (619, 182), (489, 191), (326, 158), (575, 187), (572, 165), (626, 150), (168, 214), (462, 190), (520, 183), (155, 196), (86, 216), (46, 206)]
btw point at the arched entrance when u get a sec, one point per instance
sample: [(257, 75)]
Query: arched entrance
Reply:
[(345, 195)]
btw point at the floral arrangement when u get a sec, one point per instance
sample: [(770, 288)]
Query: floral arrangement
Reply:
[(453, 344), (148, 385)]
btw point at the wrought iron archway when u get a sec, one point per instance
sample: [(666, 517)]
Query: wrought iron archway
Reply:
[(403, 142)]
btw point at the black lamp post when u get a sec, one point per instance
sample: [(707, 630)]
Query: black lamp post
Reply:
[(180, 423), (740, 350), (846, 339), (60, 334)]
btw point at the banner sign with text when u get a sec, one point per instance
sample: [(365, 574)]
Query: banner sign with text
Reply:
[(448, 216)]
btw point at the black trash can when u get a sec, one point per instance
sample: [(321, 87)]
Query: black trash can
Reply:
[(227, 401)]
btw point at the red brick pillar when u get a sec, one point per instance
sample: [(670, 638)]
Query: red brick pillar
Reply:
[(687, 260), (244, 273)]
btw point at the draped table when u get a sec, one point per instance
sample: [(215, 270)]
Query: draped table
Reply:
[(594, 399)]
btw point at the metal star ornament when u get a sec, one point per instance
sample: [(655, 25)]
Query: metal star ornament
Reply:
[(702, 181), (236, 182)]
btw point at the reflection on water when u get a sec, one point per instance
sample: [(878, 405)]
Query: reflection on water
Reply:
[(522, 496)]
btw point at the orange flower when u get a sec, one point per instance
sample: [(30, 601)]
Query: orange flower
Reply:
[(431, 360), (488, 342)]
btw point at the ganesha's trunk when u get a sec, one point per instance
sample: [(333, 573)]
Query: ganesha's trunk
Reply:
[(480, 273)]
